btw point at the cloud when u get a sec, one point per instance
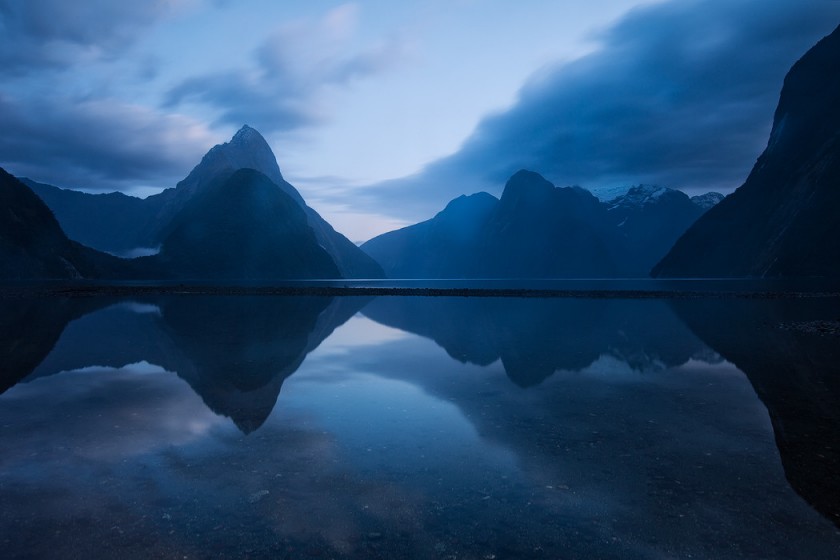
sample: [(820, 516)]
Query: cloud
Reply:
[(679, 93), (99, 143), (291, 72), (40, 34)]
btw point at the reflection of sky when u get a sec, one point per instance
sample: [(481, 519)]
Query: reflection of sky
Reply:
[(356, 332), (382, 443)]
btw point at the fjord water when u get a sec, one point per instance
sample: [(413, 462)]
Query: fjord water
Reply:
[(399, 427)]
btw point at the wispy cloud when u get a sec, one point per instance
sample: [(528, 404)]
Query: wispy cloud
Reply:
[(98, 144), (680, 93), (39, 34), (292, 70)]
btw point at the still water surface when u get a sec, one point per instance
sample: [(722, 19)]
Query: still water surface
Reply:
[(410, 427)]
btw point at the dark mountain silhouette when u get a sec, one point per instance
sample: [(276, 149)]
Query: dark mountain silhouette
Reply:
[(541, 231), (538, 230), (248, 149), (33, 245), (790, 351), (536, 337), (783, 220), (109, 222), (650, 219), (242, 226), (29, 329), (234, 351), (145, 223), (443, 247), (534, 230)]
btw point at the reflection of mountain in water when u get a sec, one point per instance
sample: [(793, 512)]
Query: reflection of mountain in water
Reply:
[(536, 337), (790, 351), (30, 327), (241, 349), (234, 351)]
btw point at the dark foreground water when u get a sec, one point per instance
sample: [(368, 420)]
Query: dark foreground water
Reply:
[(409, 427)]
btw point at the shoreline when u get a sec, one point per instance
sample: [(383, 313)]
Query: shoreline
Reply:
[(20, 291)]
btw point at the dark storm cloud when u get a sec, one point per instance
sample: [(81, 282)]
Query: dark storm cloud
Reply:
[(58, 33), (680, 93), (292, 70), (97, 144)]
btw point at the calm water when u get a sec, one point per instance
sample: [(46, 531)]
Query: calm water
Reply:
[(281, 427)]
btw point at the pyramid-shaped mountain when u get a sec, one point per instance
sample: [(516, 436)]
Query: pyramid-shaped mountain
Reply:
[(242, 227), (783, 220), (33, 245), (146, 223)]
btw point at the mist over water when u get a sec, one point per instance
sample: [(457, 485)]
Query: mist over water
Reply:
[(398, 427)]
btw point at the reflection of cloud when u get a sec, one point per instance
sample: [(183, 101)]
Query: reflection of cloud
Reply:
[(294, 67), (357, 331), (395, 450), (681, 93), (110, 414), (631, 468), (141, 308)]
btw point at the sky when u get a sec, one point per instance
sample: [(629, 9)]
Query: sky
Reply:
[(380, 112)]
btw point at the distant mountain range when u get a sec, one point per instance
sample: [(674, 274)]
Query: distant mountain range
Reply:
[(235, 217), (783, 221), (33, 245), (220, 222), (537, 230)]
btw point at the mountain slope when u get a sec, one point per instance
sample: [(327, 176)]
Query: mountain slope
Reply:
[(783, 220), (248, 149), (650, 219), (110, 222), (534, 231), (33, 245), (542, 231), (538, 230), (122, 224), (442, 247), (242, 227)]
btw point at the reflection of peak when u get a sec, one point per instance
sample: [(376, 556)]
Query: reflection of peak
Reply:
[(795, 374), (235, 352), (30, 329), (534, 338)]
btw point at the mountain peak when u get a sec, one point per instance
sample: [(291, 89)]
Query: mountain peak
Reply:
[(707, 200), (247, 136), (247, 149), (526, 185), (642, 195)]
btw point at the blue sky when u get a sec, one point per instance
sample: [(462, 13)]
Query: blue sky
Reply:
[(381, 111)]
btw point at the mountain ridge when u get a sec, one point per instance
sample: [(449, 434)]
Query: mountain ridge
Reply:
[(783, 220), (121, 224), (538, 230)]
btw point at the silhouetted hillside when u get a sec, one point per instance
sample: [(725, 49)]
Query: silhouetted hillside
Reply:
[(33, 246), (783, 220), (242, 227)]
